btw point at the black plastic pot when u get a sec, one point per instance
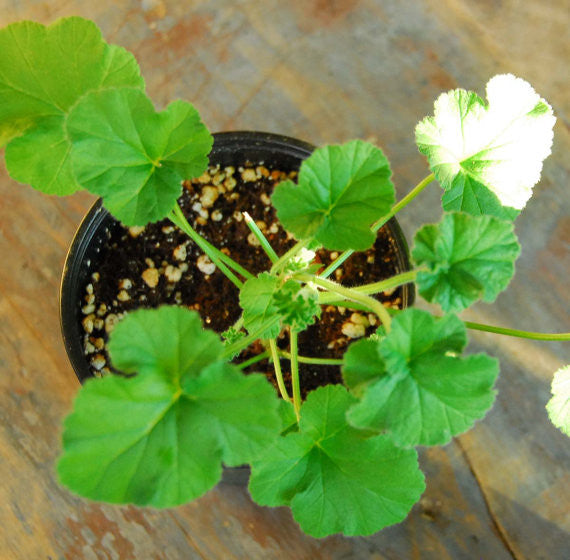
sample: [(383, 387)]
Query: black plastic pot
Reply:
[(230, 148)]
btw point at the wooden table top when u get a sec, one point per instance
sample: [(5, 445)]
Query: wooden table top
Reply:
[(322, 71)]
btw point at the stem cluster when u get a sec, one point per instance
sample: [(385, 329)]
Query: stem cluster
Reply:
[(330, 293)]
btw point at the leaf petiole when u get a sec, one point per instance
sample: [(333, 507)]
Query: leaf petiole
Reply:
[(253, 360), (295, 372), (379, 223), (221, 260), (273, 257), (287, 355), (517, 333), (315, 361), (351, 294), (277, 367), (376, 287)]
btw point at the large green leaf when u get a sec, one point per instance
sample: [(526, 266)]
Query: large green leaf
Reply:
[(467, 257), (558, 407), (44, 70), (335, 479), (474, 148), (337, 184), (134, 157), (159, 438), (424, 392)]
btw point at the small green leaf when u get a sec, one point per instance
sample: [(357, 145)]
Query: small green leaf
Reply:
[(231, 336), (159, 437), (337, 183), (258, 304), (468, 258), (44, 70), (267, 296), (134, 157), (472, 147), (558, 406), (334, 479), (297, 304), (303, 262), (424, 392)]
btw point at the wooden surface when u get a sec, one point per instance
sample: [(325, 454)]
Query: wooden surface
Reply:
[(322, 71)]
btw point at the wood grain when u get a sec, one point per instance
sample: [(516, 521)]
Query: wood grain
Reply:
[(323, 71)]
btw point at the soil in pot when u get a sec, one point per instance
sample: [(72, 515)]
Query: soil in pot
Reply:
[(158, 264)]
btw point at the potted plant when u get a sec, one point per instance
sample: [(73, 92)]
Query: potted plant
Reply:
[(344, 456)]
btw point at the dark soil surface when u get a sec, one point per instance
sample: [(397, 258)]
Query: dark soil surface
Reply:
[(158, 264)]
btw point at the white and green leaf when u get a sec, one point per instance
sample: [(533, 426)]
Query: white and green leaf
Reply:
[(337, 183), (467, 258), (160, 437), (488, 156), (558, 406), (334, 479), (424, 392)]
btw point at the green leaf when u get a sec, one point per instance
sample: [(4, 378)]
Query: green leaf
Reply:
[(471, 146), (134, 157), (158, 438), (44, 70), (267, 296), (337, 183), (334, 479), (424, 392), (558, 406), (288, 417), (468, 258), (468, 195), (297, 304), (362, 363), (169, 341), (231, 336), (257, 299), (258, 304)]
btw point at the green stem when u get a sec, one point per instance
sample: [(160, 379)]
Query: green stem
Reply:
[(260, 237), (351, 294), (216, 256), (277, 368), (278, 265), (378, 224), (515, 332), (253, 360), (375, 287), (315, 361), (295, 373), (244, 342), (342, 302)]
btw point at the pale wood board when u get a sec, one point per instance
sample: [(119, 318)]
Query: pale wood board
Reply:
[(322, 71)]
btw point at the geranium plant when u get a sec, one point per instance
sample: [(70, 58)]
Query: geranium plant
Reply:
[(74, 115)]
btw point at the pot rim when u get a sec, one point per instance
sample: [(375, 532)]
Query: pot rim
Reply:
[(97, 216)]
